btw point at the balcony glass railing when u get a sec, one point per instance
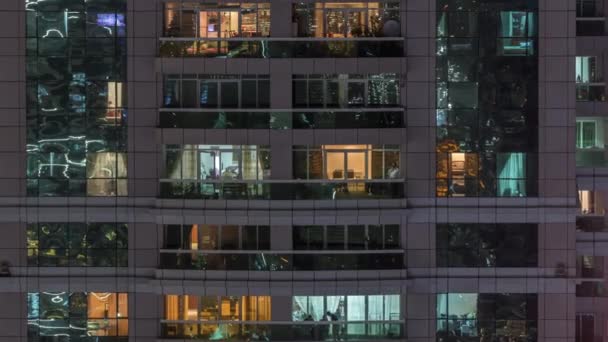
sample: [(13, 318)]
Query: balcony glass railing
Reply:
[(590, 267), (590, 92), (281, 261), (283, 190), (282, 47), (284, 331), (590, 26), (591, 289), (587, 9), (590, 224), (263, 119), (591, 158)]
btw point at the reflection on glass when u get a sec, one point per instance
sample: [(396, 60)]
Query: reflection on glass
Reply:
[(79, 245), (487, 99), (77, 315), (216, 91), (346, 91), (346, 20), (227, 20), (487, 316), (76, 97), (487, 245)]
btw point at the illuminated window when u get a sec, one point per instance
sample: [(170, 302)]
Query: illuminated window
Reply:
[(589, 133), (347, 19), (458, 175), (223, 163), (347, 162), (591, 202), (216, 20), (106, 174), (515, 33), (213, 308), (78, 315)]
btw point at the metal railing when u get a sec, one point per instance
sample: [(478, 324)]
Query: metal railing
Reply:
[(296, 47), (591, 92), (283, 190), (284, 331), (350, 118), (305, 260)]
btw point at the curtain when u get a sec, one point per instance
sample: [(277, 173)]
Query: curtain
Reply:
[(511, 176), (355, 312), (375, 313), (171, 307), (299, 308), (251, 167), (392, 307), (333, 302), (186, 166), (264, 308), (102, 170), (316, 308), (189, 163)]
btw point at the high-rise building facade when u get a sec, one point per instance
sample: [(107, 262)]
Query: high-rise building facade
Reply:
[(311, 170)]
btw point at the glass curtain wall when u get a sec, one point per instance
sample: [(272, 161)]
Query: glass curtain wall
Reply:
[(347, 19), (346, 91), (77, 244), (487, 98), (213, 317), (77, 316), (487, 317), (76, 98), (219, 20), (487, 245)]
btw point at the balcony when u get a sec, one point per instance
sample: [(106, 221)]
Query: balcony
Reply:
[(281, 261), (591, 224), (591, 289), (287, 119), (258, 47), (589, 18), (586, 92), (592, 157), (283, 331), (590, 267), (590, 26), (283, 190), (591, 203)]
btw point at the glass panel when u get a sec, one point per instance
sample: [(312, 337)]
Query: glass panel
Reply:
[(209, 96), (511, 174), (335, 165), (209, 237), (355, 165), (189, 94), (230, 95), (356, 237), (230, 237), (356, 94), (335, 237)]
